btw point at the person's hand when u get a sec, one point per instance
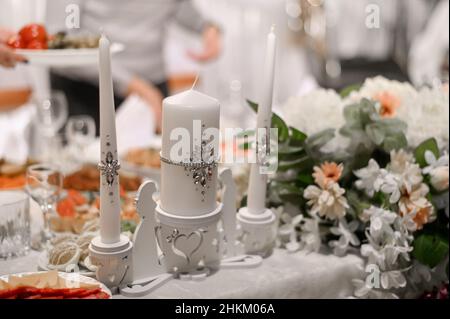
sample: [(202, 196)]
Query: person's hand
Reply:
[(8, 58), (151, 95), (212, 46)]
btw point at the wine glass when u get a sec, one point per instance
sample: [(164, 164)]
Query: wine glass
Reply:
[(80, 132), (44, 184), (52, 114)]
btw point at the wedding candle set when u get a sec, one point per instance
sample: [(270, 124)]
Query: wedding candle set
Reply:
[(258, 223), (187, 231)]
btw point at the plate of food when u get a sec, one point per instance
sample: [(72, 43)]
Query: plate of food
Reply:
[(143, 161), (60, 49), (51, 285)]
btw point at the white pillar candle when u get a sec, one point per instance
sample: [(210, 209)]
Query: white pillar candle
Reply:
[(258, 182), (188, 119), (109, 165)]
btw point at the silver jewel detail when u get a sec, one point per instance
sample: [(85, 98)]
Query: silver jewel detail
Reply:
[(200, 166), (109, 168)]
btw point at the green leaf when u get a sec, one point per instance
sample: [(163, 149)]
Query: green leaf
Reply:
[(305, 179), (428, 145), (128, 225), (277, 122), (395, 141), (296, 137), (375, 133), (315, 142), (368, 112), (349, 89), (287, 192), (283, 129), (430, 249), (246, 133), (352, 117), (289, 153), (246, 146), (253, 105), (301, 164)]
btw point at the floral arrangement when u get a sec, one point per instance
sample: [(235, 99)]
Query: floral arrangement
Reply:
[(369, 175)]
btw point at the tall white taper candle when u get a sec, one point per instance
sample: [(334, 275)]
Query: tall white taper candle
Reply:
[(109, 165), (258, 182)]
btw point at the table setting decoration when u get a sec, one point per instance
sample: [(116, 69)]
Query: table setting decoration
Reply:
[(347, 196), (371, 177), (178, 235)]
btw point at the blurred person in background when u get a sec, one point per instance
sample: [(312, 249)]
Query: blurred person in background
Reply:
[(355, 40), (429, 56), (140, 25)]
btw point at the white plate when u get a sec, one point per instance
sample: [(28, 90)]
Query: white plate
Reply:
[(65, 57), (43, 265), (74, 277)]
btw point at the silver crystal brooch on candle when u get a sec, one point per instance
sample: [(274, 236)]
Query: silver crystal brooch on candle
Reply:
[(200, 165), (109, 168)]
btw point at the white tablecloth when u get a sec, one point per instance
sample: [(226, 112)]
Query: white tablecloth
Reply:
[(281, 275)]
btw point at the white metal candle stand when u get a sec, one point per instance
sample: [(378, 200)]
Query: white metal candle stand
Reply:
[(166, 246)]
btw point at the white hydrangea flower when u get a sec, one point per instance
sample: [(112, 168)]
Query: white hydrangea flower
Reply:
[(427, 115), (324, 109)]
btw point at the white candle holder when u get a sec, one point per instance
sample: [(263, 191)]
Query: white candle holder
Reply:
[(189, 243), (258, 231), (184, 247), (113, 261)]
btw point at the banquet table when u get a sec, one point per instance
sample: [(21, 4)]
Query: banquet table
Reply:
[(281, 275)]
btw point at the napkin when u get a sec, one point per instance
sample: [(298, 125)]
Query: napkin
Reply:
[(15, 126), (135, 124)]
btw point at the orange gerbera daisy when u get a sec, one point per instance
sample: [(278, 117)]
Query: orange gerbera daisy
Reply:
[(389, 104), (422, 217), (326, 173)]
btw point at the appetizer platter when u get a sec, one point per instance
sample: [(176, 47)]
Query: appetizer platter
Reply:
[(60, 49), (144, 162), (51, 285)]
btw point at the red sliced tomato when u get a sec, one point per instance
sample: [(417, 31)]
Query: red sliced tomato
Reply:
[(32, 32)]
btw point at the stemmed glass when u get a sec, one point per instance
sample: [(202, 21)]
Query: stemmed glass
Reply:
[(80, 132), (52, 114), (44, 184)]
